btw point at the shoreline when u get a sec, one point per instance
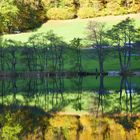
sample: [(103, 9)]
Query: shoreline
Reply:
[(40, 74)]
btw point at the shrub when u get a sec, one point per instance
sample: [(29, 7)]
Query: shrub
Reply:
[(11, 129), (86, 12), (134, 9), (60, 13), (102, 12), (115, 9), (120, 11)]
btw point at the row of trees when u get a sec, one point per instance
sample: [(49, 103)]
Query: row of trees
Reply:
[(27, 14), (42, 52), (122, 36), (47, 52)]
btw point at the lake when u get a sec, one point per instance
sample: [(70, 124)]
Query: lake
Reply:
[(70, 108)]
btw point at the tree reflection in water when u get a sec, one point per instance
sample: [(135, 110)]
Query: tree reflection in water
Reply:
[(50, 108), (54, 94)]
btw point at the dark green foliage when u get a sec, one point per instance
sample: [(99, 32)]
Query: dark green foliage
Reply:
[(124, 34), (31, 14)]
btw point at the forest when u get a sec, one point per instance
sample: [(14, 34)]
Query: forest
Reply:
[(24, 15)]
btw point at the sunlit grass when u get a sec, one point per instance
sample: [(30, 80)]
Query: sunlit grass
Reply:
[(68, 29)]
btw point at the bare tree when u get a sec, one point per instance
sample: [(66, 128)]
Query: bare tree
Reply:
[(96, 34)]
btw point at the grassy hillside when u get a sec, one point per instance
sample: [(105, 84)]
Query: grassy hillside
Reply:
[(68, 29)]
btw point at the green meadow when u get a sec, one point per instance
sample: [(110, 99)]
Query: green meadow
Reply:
[(89, 61), (69, 29)]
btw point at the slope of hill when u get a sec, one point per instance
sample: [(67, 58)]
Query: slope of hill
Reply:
[(68, 29)]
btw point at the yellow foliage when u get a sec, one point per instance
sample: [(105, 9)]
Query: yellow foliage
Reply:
[(68, 127), (86, 12), (60, 13)]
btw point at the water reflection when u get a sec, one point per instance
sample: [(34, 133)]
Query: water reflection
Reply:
[(89, 94), (75, 108), (129, 91)]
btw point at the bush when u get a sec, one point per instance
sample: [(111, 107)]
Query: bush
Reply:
[(115, 9), (60, 13), (102, 12), (86, 12), (134, 9), (11, 129)]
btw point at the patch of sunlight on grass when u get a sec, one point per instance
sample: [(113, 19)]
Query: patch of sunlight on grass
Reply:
[(68, 29)]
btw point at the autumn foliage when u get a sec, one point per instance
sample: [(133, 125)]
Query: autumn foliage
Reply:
[(23, 15)]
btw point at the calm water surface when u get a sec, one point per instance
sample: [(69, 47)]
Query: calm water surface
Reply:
[(73, 108)]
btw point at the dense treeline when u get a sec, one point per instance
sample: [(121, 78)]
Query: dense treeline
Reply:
[(27, 14)]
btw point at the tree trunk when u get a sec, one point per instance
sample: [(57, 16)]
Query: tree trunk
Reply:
[(129, 57), (120, 59), (101, 61)]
